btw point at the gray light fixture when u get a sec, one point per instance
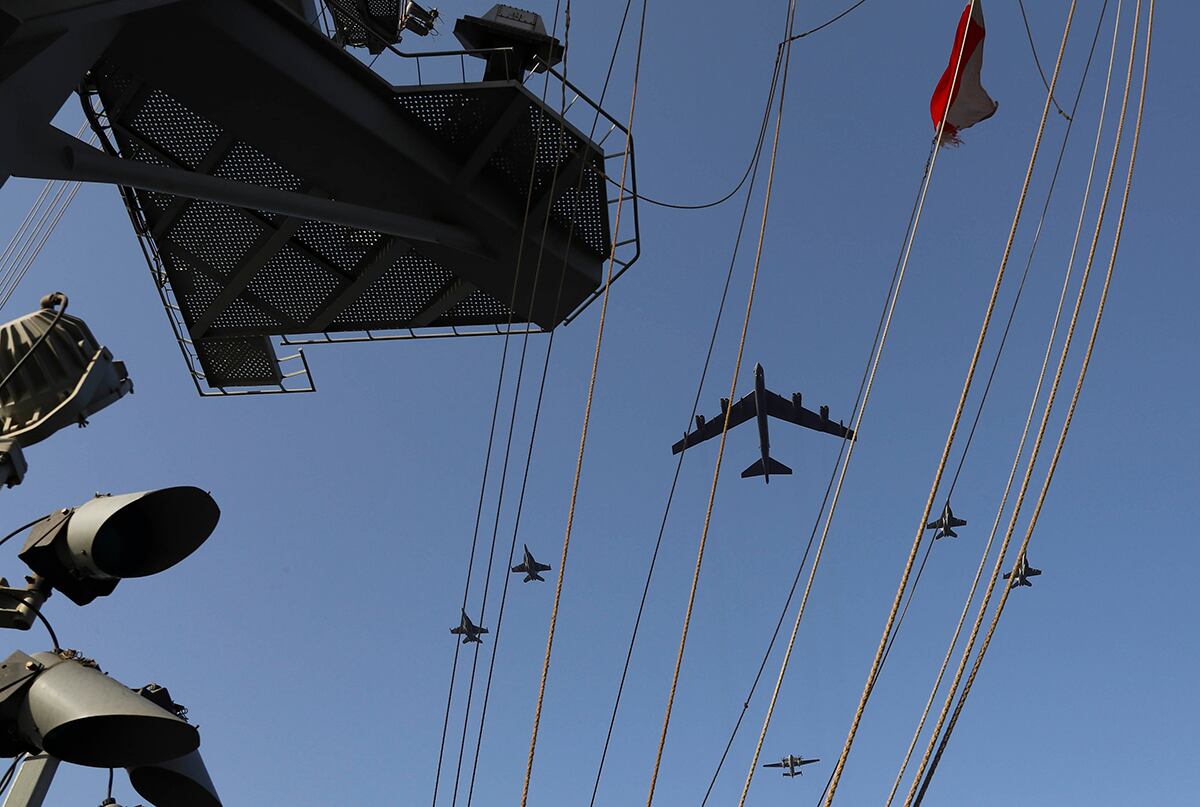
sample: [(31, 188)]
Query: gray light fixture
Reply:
[(85, 551), (62, 704), (182, 782), (53, 373)]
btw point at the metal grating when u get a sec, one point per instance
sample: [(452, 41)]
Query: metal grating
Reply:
[(239, 362), (394, 296), (232, 278), (173, 128), (294, 284), (478, 307)]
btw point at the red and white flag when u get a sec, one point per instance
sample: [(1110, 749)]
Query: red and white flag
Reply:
[(961, 98)]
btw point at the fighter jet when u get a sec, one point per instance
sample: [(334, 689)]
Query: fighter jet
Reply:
[(1024, 572), (468, 630), (945, 524), (531, 568), (759, 404), (792, 764)]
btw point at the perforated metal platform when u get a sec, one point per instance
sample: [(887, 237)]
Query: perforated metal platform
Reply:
[(250, 94)]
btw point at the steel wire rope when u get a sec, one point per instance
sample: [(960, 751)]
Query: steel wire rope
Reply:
[(27, 242), (488, 452), (869, 684), (825, 498), (754, 157), (1036, 61), (679, 463), (873, 363), (1070, 411), (987, 387), (1032, 405), (516, 400), (587, 411), (1047, 411), (762, 231), (541, 391), (70, 189)]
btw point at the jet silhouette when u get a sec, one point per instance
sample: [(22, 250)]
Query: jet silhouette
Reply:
[(1024, 572), (945, 523), (531, 568), (468, 630)]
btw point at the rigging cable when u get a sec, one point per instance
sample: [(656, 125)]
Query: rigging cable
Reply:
[(486, 466), (1049, 403), (762, 232), (1038, 62), (894, 296), (757, 153), (1037, 389), (587, 412), (34, 231), (679, 464), (874, 671), (516, 400), (824, 500), (541, 388)]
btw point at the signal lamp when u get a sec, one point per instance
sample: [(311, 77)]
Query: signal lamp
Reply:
[(62, 704), (417, 19), (53, 374), (182, 782), (86, 550)]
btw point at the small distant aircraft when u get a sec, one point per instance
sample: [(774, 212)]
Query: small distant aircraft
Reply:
[(1024, 572), (531, 568), (759, 404), (945, 524), (792, 764), (468, 630)]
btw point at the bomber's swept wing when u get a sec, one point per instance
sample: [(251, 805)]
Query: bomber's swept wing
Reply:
[(794, 412), (739, 413)]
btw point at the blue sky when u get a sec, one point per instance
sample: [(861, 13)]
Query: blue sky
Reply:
[(309, 635)]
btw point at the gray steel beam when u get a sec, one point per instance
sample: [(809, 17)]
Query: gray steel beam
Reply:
[(486, 147), (201, 265), (35, 81), (32, 783), (57, 155), (454, 293)]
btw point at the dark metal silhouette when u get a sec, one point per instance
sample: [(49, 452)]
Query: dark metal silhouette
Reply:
[(468, 630), (530, 567), (792, 763), (1024, 572), (760, 404), (945, 524)]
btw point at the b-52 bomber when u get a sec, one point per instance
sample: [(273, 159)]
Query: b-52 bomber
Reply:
[(531, 568), (792, 763), (760, 404), (945, 524), (1024, 572), (468, 630)]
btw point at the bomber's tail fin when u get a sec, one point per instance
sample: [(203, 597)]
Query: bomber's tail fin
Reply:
[(773, 466)]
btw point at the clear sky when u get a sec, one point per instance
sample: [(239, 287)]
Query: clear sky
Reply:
[(309, 635)]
